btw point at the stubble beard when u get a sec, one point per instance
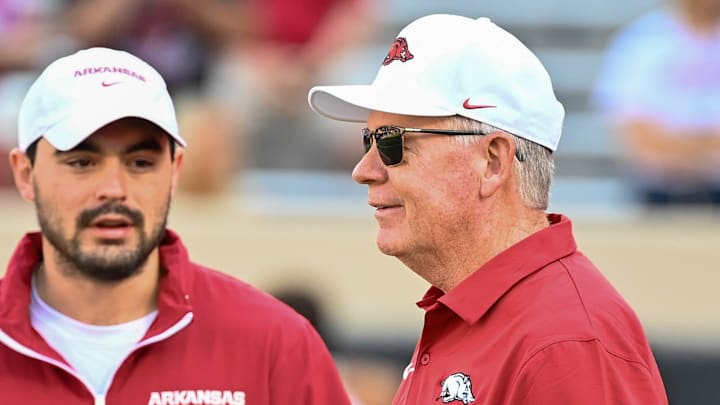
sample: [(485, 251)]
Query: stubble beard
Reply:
[(108, 263)]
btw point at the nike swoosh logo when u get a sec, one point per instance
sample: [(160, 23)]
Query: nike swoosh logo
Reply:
[(469, 106), (106, 84)]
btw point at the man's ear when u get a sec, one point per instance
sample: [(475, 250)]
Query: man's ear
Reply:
[(499, 152), (22, 169)]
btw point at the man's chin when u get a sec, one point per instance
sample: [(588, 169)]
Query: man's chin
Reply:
[(388, 244), (110, 266)]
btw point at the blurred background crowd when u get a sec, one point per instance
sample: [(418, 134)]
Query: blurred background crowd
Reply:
[(638, 165)]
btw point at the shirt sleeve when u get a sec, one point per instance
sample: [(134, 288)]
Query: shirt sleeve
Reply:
[(304, 372), (584, 372)]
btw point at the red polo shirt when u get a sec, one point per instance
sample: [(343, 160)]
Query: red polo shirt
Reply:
[(537, 324)]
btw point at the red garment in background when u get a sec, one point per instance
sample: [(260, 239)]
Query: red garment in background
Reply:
[(292, 21)]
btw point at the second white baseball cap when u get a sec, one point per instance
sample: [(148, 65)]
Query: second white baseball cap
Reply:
[(443, 65), (78, 94)]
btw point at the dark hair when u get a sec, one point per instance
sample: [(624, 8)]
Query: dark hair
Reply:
[(31, 150)]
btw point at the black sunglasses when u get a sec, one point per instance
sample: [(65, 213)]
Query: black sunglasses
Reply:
[(389, 141)]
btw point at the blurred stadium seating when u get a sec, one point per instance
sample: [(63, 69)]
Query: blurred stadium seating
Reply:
[(569, 38)]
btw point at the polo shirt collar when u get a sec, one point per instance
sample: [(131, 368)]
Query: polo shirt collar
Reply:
[(475, 295)]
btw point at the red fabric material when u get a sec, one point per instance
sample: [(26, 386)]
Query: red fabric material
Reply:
[(240, 340), (538, 324), (291, 21)]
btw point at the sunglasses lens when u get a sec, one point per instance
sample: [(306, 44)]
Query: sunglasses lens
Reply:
[(390, 148)]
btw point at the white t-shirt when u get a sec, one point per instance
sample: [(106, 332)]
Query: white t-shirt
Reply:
[(95, 352), (657, 68)]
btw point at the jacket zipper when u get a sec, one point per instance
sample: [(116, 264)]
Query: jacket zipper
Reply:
[(180, 325)]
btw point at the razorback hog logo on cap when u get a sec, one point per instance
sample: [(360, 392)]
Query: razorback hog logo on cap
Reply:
[(398, 51)]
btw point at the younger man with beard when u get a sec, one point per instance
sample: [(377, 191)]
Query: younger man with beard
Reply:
[(104, 305)]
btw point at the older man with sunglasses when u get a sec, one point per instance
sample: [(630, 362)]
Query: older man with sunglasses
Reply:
[(462, 123)]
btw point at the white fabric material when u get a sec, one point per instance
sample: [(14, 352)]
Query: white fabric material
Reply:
[(95, 352), (78, 94), (658, 69), (452, 65)]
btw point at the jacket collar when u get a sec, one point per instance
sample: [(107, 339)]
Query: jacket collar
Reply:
[(173, 293)]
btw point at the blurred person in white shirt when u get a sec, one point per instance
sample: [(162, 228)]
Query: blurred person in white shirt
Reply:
[(660, 89)]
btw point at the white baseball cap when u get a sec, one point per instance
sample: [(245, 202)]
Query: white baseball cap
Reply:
[(443, 65), (78, 94)]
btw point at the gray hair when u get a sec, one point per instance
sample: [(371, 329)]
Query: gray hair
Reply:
[(536, 170)]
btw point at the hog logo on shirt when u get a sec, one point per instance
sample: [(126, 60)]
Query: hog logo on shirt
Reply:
[(457, 387), (398, 51)]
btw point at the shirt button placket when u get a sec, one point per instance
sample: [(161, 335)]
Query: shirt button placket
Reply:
[(425, 359)]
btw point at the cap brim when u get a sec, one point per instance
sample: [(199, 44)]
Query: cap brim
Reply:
[(72, 130), (353, 103)]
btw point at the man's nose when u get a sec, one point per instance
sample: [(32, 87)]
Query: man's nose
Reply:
[(112, 181), (370, 169)]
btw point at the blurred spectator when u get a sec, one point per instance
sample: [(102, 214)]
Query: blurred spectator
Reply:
[(181, 39), (239, 69), (266, 76), (307, 305), (178, 36), (660, 87), (370, 380), (29, 38)]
